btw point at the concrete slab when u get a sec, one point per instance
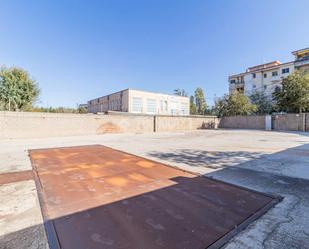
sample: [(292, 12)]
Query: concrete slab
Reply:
[(20, 217)]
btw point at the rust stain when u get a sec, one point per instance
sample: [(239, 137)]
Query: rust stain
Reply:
[(108, 127), (145, 164), (19, 176), (97, 198)]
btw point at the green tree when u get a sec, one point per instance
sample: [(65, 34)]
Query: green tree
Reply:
[(180, 92), (192, 106), (200, 101), (263, 104), (17, 90), (234, 104), (293, 96), (221, 106), (81, 110)]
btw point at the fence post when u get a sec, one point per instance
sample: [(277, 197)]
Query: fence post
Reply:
[(155, 123), (268, 121), (304, 122)]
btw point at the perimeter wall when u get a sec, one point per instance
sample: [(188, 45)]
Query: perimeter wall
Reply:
[(34, 125), (280, 122)]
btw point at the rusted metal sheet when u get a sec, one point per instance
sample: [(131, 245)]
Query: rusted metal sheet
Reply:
[(98, 197), (11, 177)]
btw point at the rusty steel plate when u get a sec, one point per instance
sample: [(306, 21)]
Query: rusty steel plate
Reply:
[(18, 176), (97, 197)]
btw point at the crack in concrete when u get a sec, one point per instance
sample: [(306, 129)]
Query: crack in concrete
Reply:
[(279, 224)]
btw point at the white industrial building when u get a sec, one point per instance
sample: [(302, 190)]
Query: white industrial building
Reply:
[(140, 102), (266, 77)]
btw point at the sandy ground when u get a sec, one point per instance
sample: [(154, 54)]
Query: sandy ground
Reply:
[(271, 162)]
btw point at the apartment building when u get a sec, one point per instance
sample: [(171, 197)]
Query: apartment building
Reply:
[(140, 102), (266, 77)]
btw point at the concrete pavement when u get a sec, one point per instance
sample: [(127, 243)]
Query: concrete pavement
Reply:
[(270, 162)]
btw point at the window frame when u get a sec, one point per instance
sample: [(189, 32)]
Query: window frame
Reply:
[(274, 73)]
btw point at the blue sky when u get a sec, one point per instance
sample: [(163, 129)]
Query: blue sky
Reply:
[(78, 50)]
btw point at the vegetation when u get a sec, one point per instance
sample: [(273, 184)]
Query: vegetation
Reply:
[(234, 104), (59, 109), (17, 90), (192, 105), (200, 102), (197, 101), (263, 104), (293, 96), (81, 110), (180, 92)]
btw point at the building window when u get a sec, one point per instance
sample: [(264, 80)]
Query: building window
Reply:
[(265, 75), (151, 105), (285, 70), (163, 105), (233, 81), (137, 104), (265, 87), (174, 107), (254, 86), (275, 73), (184, 108), (253, 75)]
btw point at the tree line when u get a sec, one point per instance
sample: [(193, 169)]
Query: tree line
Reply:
[(19, 92), (291, 97)]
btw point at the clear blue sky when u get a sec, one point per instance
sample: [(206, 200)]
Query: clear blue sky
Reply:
[(78, 50)]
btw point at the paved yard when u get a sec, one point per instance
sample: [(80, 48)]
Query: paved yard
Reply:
[(270, 162)]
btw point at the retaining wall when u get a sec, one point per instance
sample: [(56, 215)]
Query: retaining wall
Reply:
[(35, 125)]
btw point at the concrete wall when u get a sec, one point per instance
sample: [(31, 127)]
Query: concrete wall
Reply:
[(28, 125), (173, 123), (243, 122), (290, 122), (280, 122), (35, 125)]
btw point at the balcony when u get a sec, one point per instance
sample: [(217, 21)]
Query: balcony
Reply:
[(302, 61), (237, 87), (238, 84)]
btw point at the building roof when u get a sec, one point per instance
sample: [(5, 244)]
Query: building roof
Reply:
[(301, 51), (128, 89), (173, 95), (262, 67)]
